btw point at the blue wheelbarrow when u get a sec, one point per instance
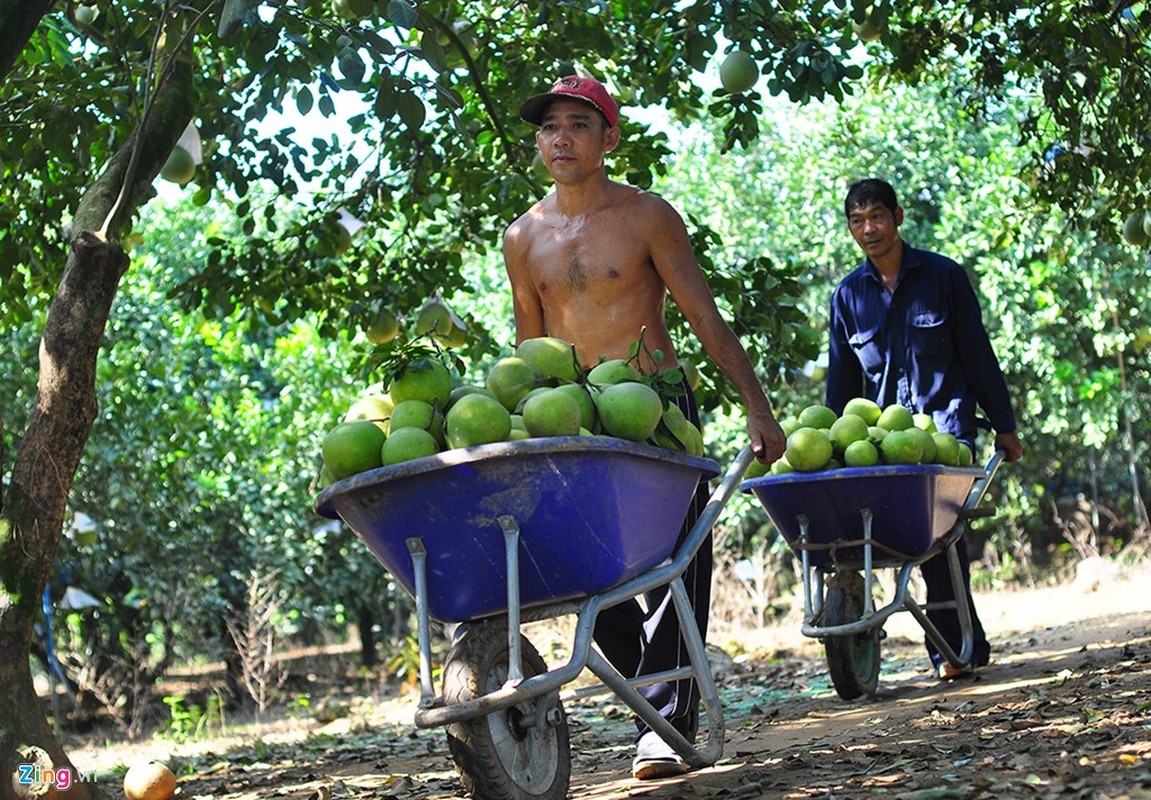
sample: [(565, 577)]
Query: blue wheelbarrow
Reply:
[(503, 534), (844, 524)]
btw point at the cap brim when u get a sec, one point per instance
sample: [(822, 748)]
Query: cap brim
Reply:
[(533, 108)]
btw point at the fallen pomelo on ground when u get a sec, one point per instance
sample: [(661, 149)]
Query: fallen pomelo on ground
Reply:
[(149, 781)]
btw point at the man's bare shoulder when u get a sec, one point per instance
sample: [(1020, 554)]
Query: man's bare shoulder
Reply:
[(645, 202), (524, 224)]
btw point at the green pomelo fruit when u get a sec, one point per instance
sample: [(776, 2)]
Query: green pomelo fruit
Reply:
[(517, 421), (179, 166), (691, 372), (926, 445), (456, 336), (867, 410), (510, 378), (555, 357), (1133, 229), (611, 372), (422, 378), (373, 407), (756, 469), (411, 414), (433, 317), (966, 457), (326, 477), (662, 438), (519, 409), (466, 388), (946, 448), (629, 410), (876, 434), (738, 72), (518, 435), (696, 447), (86, 15), (901, 447), (817, 416), (847, 429), (673, 420), (407, 444), (383, 327), (861, 454), (924, 422), (477, 419), (789, 425), (896, 418), (781, 466), (352, 447), (583, 399), (808, 449), (552, 413)]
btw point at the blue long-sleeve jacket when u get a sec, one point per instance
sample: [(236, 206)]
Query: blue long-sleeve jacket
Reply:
[(923, 346)]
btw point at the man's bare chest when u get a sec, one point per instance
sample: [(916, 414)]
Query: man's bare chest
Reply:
[(579, 260)]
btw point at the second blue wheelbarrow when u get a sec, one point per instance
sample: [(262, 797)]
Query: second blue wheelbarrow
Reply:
[(844, 524), (502, 534)]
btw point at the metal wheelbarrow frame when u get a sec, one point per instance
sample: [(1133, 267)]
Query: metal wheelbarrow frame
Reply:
[(845, 524), (500, 702)]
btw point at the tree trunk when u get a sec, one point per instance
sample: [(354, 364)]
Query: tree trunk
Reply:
[(45, 465)]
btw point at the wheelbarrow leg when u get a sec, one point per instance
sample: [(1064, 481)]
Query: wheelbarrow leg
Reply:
[(962, 608), (419, 556), (701, 672)]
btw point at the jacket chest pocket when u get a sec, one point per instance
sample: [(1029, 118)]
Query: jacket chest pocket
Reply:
[(930, 333), (868, 348)]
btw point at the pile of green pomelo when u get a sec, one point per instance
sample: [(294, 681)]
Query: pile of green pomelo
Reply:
[(865, 435), (540, 391)]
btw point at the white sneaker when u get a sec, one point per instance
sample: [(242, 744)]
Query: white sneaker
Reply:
[(655, 758)]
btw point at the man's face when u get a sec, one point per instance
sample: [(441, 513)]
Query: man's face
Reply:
[(875, 228), (573, 139)]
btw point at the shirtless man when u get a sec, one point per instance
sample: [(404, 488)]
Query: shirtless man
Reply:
[(593, 263)]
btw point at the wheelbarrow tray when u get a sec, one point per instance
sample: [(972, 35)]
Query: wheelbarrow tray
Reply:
[(592, 513), (911, 505)]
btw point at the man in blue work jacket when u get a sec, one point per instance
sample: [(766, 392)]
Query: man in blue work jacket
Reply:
[(906, 328)]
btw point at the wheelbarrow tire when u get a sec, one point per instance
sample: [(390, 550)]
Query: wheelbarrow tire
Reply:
[(497, 757), (853, 659)]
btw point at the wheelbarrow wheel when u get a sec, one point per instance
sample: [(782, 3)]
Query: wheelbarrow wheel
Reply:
[(521, 753), (852, 659)]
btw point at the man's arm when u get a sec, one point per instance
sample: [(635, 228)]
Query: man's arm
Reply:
[(984, 375), (673, 258), (529, 314)]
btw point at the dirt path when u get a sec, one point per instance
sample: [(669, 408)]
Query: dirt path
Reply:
[(1063, 711)]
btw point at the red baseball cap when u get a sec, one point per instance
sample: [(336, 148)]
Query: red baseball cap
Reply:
[(587, 89)]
